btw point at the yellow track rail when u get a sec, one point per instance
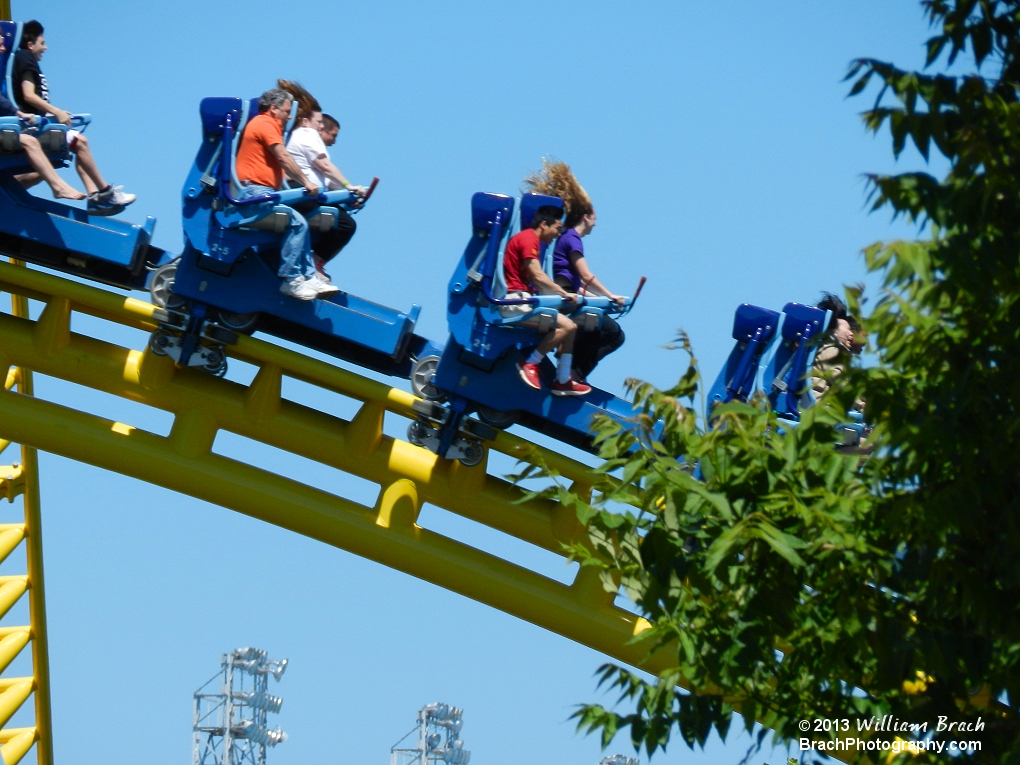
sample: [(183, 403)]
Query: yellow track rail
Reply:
[(183, 461), (408, 476)]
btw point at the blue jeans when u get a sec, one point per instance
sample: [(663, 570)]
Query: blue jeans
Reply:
[(296, 247)]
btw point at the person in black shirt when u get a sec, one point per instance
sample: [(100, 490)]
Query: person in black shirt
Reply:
[(33, 96), (36, 156)]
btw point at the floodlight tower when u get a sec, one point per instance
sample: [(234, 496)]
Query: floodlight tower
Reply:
[(437, 742), (620, 759), (230, 726)]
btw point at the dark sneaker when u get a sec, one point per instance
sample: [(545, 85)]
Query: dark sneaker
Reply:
[(109, 202), (529, 373), (570, 388)]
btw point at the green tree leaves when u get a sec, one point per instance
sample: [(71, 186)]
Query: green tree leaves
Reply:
[(790, 580)]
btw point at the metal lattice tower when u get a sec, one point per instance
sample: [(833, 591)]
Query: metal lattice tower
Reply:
[(231, 725), (619, 759), (438, 729)]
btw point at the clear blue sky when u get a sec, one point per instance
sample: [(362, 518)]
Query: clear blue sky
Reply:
[(725, 164)]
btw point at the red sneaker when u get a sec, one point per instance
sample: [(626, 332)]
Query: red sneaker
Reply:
[(529, 373), (570, 388), (320, 268)]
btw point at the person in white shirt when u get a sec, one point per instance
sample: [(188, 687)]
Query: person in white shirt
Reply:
[(307, 145)]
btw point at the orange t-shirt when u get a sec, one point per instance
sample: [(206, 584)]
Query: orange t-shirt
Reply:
[(255, 159)]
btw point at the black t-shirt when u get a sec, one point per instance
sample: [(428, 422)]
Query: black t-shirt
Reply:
[(27, 68)]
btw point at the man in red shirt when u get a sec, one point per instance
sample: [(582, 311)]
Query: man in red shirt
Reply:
[(525, 277), (262, 160)]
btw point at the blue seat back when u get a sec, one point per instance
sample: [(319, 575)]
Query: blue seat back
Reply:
[(485, 206), (475, 323), (9, 32), (530, 204), (802, 321), (786, 378), (754, 329), (750, 320), (214, 112), (209, 175)]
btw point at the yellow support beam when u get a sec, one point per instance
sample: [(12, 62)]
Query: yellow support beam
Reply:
[(11, 646), (16, 746), (384, 533), (407, 476), (13, 696), (203, 405), (12, 481), (10, 381), (11, 535), (12, 589)]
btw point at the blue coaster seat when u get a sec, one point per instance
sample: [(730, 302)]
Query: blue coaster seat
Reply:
[(754, 329), (51, 134), (787, 376), (217, 221), (52, 233), (477, 289)]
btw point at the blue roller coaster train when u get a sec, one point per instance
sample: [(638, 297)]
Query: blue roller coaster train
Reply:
[(224, 283)]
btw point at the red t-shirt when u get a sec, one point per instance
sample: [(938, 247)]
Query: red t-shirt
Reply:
[(521, 247), (255, 159)]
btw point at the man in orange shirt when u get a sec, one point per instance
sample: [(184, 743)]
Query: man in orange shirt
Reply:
[(262, 160)]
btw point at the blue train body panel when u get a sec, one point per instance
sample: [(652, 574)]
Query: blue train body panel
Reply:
[(253, 286), (567, 418)]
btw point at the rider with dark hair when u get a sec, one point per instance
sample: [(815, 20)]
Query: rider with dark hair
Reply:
[(32, 95), (834, 303), (37, 158), (525, 277), (834, 354)]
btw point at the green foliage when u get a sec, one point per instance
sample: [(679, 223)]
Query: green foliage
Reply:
[(793, 581)]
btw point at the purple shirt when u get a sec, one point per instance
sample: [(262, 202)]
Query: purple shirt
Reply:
[(568, 243)]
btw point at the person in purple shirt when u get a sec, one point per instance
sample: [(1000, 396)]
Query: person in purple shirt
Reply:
[(570, 267)]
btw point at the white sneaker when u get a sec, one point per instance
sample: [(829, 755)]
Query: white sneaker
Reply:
[(300, 288), (321, 287)]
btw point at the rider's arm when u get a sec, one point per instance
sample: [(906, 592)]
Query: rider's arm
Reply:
[(291, 169), (542, 282), (324, 165), (588, 279), (7, 108), (35, 100)]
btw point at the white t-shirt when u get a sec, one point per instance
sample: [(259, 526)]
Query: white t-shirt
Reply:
[(306, 145)]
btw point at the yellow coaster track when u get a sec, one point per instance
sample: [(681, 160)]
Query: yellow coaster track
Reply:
[(202, 405)]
